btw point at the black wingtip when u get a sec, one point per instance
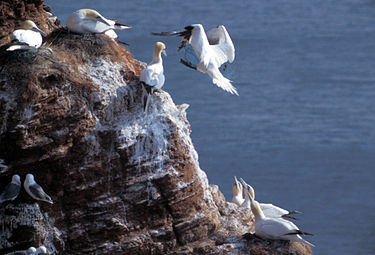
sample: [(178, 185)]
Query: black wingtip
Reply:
[(298, 232), (187, 64), (287, 216), (165, 33)]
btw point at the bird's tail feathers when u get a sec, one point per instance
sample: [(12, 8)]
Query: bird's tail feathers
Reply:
[(294, 212), (224, 83)]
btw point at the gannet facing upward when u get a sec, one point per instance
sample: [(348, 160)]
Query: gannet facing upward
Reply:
[(34, 190), (237, 192), (91, 21), (153, 75), (275, 228), (27, 36), (12, 190), (269, 210), (213, 48)]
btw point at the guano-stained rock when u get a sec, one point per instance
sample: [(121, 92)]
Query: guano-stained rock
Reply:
[(123, 181)]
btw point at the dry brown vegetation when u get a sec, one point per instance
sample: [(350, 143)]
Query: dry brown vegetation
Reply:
[(69, 52)]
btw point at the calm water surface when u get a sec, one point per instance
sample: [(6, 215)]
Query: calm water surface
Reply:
[(302, 131)]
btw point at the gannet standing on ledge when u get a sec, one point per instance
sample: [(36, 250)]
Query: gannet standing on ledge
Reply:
[(27, 36), (237, 192), (34, 190), (91, 21), (12, 190), (213, 49), (275, 228), (42, 250), (153, 75), (269, 210)]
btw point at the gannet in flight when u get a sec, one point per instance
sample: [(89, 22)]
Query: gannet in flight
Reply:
[(237, 192), (12, 190), (153, 75), (34, 190), (269, 210), (275, 228), (91, 21), (213, 48), (27, 36)]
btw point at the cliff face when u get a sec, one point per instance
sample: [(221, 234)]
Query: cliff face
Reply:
[(123, 181)]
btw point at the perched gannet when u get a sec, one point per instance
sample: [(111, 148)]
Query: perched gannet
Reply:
[(275, 228), (237, 192), (42, 250), (34, 190), (153, 75), (91, 21), (30, 251), (12, 190), (269, 210), (51, 16), (27, 36), (213, 48)]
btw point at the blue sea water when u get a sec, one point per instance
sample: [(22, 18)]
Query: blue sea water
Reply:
[(302, 131)]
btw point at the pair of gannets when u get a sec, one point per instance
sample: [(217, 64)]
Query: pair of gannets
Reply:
[(27, 36), (90, 21), (42, 250), (152, 76), (213, 48), (12, 190), (269, 210), (269, 219)]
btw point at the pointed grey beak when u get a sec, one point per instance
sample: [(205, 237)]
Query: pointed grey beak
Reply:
[(243, 183), (164, 52), (102, 20), (35, 29)]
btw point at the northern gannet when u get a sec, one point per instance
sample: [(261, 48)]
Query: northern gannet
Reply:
[(275, 228), (42, 250), (51, 16), (153, 75), (237, 192), (27, 36), (34, 190), (3, 166), (213, 48), (12, 190), (269, 210), (91, 21), (30, 251)]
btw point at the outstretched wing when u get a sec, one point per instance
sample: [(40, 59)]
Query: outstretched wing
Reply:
[(221, 44), (185, 34)]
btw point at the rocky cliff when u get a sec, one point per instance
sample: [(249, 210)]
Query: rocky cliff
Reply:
[(123, 181)]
